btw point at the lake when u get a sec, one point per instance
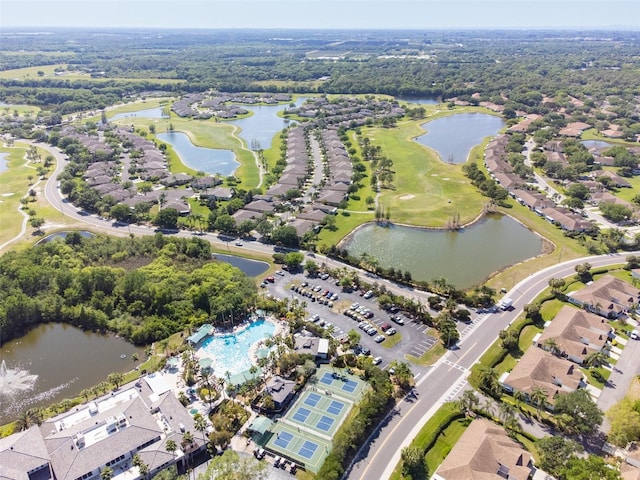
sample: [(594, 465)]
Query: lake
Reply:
[(207, 160), (259, 128), (454, 136), (466, 257), (4, 162), (147, 113), (65, 359), (419, 101), (599, 144), (251, 268)]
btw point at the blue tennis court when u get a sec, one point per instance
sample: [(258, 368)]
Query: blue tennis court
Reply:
[(308, 449), (327, 378), (283, 439), (335, 408), (325, 423), (313, 399), (349, 386), (301, 414)]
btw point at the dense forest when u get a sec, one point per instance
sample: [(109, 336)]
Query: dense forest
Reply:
[(145, 289), (519, 66)]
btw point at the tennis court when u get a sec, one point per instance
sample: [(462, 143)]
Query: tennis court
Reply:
[(305, 433), (300, 446)]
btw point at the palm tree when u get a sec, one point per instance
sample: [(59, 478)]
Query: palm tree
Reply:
[(518, 397), (538, 397), (468, 401), (85, 393), (507, 414), (595, 360), (28, 419), (551, 345), (106, 473), (116, 378), (489, 380), (187, 440), (171, 446), (200, 423)]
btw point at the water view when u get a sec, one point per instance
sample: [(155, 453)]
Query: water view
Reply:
[(419, 100), (465, 257), (207, 160), (454, 136), (230, 352), (259, 129), (147, 113), (251, 268), (57, 361), (4, 162), (596, 144)]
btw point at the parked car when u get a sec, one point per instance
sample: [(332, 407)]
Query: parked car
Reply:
[(259, 453), (391, 331), (398, 319), (276, 461), (379, 339), (635, 335), (270, 279), (385, 326), (368, 294), (377, 360), (280, 272)]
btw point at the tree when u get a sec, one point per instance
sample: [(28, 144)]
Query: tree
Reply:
[(539, 398), (624, 418), (311, 267), (584, 272), (414, 463), (448, 332), (167, 218), (595, 360), (285, 235), (37, 223), (106, 473), (28, 419), (468, 401), (116, 379), (590, 468), (230, 466), (225, 223), (143, 468), (171, 446), (556, 285), (120, 212), (488, 380), (555, 452), (580, 414), (293, 260), (353, 338)]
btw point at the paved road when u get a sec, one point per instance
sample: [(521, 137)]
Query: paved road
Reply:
[(441, 383), (447, 378)]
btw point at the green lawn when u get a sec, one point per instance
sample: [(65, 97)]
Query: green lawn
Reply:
[(446, 441)]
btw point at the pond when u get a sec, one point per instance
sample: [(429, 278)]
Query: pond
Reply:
[(147, 113), (466, 257), (251, 268), (454, 136), (56, 361), (4, 162), (599, 144), (62, 235), (419, 100), (259, 129), (208, 160)]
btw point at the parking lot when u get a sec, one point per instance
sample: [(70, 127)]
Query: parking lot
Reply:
[(330, 307)]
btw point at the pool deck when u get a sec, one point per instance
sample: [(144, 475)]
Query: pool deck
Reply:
[(281, 328)]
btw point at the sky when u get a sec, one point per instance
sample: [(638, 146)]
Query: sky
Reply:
[(323, 14)]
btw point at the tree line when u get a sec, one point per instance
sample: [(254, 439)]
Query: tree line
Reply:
[(145, 289)]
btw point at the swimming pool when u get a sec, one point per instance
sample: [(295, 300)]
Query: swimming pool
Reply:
[(230, 352)]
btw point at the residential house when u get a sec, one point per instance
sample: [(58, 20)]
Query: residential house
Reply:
[(608, 297), (574, 334), (540, 369), (485, 451)]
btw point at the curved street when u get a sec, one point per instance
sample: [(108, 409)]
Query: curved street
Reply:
[(442, 382)]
